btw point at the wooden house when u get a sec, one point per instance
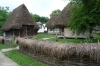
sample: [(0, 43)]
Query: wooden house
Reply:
[(20, 23)]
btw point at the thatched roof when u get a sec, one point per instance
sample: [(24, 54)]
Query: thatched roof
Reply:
[(62, 19), (51, 22), (20, 16)]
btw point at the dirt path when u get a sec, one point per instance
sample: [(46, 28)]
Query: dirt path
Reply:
[(5, 61), (47, 38), (8, 49)]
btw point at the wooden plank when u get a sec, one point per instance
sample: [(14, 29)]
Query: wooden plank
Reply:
[(60, 36)]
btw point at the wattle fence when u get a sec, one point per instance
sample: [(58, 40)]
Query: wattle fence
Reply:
[(61, 51)]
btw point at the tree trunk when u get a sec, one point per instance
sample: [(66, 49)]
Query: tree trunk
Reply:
[(90, 33)]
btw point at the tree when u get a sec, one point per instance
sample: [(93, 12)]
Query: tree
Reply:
[(44, 19), (55, 11), (38, 18), (85, 16), (4, 14)]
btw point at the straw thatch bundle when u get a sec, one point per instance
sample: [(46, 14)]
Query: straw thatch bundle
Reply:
[(61, 51), (1, 39)]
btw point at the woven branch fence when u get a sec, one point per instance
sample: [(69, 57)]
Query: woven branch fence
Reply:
[(61, 51)]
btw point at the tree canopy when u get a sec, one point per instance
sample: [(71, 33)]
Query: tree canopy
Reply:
[(4, 14), (38, 18), (85, 15), (55, 11)]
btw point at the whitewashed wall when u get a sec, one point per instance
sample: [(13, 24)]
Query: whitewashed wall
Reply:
[(68, 33)]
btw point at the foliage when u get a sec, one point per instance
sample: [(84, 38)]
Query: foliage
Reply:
[(38, 18), (14, 44), (88, 40), (55, 11), (4, 14), (44, 19), (96, 36), (22, 59), (85, 14)]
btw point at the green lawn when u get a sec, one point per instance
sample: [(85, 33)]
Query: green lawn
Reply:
[(40, 36), (2, 46), (22, 59), (53, 38), (67, 40)]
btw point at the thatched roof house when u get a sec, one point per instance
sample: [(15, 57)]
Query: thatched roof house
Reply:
[(60, 20), (51, 29), (20, 23)]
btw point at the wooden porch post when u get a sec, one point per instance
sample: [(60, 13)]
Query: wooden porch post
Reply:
[(26, 30), (19, 32), (13, 33)]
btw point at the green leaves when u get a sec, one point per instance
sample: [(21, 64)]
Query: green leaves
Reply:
[(38, 18), (85, 15), (3, 15), (55, 11)]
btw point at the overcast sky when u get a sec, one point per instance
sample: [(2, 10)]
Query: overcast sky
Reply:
[(40, 7)]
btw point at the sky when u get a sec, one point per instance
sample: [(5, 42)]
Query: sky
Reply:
[(40, 7)]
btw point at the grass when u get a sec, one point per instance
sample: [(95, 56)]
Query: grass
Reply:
[(40, 36), (22, 59), (52, 38), (71, 40), (2, 46)]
